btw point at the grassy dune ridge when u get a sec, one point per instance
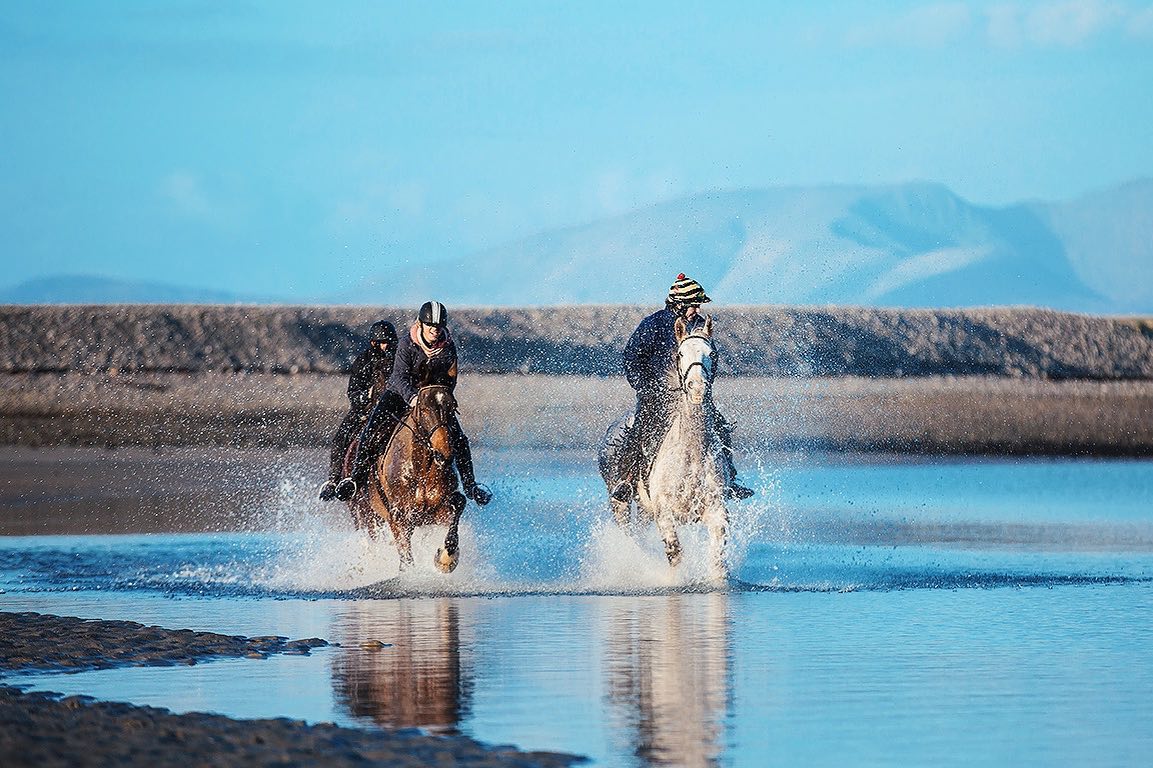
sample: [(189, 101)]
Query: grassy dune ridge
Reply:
[(586, 340), (996, 381)]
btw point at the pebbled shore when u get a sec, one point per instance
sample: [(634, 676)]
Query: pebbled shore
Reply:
[(45, 729), (585, 340)]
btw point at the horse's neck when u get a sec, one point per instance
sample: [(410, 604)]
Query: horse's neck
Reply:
[(406, 440), (692, 428)]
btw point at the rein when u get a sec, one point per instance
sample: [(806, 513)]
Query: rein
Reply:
[(684, 375), (424, 436)]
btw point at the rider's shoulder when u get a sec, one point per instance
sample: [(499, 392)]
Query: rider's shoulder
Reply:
[(660, 318)]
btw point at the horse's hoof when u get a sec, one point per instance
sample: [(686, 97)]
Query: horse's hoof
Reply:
[(445, 563), (674, 556)]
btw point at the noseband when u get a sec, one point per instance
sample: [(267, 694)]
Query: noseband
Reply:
[(684, 375)]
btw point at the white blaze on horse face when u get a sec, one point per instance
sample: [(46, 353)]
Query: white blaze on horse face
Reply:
[(695, 365)]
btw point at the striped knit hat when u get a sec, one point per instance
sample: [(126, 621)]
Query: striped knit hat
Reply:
[(687, 292)]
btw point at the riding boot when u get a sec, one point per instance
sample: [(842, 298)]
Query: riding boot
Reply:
[(733, 489), (627, 464), (339, 447), (648, 426), (463, 452), (367, 449)]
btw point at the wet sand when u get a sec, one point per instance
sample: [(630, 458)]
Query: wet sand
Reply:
[(975, 415), (44, 729)]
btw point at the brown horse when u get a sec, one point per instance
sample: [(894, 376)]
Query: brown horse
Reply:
[(415, 483)]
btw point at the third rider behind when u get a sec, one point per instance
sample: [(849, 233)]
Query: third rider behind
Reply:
[(366, 385), (649, 364), (426, 355)]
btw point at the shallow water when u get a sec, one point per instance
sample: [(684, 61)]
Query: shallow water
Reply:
[(880, 612)]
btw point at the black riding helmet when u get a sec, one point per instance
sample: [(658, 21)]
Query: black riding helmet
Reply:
[(382, 330), (433, 313)]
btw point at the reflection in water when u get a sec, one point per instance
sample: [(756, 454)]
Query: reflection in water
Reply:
[(417, 680), (667, 663)]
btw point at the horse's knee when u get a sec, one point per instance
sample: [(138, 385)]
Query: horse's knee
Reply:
[(621, 513)]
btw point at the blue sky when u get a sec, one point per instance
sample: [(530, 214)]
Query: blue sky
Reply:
[(293, 148)]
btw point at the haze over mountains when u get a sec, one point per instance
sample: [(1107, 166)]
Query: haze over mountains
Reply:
[(909, 245)]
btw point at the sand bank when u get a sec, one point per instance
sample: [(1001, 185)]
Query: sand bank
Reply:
[(39, 729), (921, 415)]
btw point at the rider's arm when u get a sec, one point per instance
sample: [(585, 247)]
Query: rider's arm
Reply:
[(452, 369), (637, 356), (360, 382), (400, 381)]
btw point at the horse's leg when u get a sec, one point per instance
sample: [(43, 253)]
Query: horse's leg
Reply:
[(717, 522), (372, 508), (668, 528), (402, 535), (363, 515), (621, 513), (447, 556)]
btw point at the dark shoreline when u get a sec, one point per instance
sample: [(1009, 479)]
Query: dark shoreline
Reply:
[(766, 341), (39, 729), (993, 381)]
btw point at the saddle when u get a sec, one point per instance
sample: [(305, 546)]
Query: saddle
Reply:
[(384, 423)]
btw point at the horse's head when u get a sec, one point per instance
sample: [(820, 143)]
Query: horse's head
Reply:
[(435, 406), (695, 363)]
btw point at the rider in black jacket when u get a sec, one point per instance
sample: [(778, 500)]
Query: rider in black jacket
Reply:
[(366, 386)]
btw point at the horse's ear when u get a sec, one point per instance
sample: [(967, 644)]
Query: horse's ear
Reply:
[(679, 330), (708, 325)]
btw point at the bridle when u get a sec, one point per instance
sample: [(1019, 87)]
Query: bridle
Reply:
[(683, 375), (425, 436)]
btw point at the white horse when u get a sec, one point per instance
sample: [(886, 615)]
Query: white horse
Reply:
[(686, 481)]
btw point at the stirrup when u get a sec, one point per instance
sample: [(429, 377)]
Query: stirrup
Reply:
[(738, 492), (478, 493), (346, 489)]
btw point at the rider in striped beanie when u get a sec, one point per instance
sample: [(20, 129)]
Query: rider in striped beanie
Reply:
[(686, 292), (648, 363)]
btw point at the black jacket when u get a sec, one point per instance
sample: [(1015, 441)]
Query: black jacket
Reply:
[(650, 355), (369, 378)]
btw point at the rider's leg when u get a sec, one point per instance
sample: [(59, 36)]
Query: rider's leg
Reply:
[(628, 458), (646, 423), (339, 447), (463, 453), (733, 489), (367, 446), (387, 411), (375, 430)]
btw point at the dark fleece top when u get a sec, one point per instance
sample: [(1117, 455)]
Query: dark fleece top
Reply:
[(369, 377), (414, 367)]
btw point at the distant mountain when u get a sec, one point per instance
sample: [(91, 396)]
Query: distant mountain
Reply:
[(93, 289), (909, 245)]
